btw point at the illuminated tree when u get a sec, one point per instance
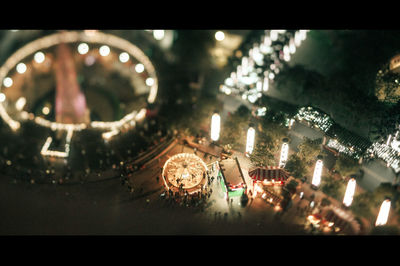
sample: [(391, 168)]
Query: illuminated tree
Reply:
[(296, 166), (234, 128), (309, 150), (333, 187), (346, 165), (387, 85), (264, 152)]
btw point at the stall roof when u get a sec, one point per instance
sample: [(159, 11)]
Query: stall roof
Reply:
[(269, 173), (231, 171)]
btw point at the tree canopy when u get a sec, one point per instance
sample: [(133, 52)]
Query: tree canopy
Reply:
[(346, 165)]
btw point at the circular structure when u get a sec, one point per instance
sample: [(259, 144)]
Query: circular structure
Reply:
[(91, 47), (184, 170)]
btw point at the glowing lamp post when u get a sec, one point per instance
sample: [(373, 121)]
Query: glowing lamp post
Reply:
[(273, 35), (284, 153), (348, 196), (266, 82), (215, 126), (383, 213), (317, 172), (250, 140)]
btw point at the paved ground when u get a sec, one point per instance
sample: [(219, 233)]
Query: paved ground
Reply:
[(107, 208)]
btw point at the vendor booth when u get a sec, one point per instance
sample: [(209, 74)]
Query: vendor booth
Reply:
[(231, 178)]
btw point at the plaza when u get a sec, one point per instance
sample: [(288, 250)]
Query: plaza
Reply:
[(113, 132)]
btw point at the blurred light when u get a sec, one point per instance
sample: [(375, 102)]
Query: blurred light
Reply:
[(39, 57), (104, 50), (252, 98), (20, 103), (21, 68), (90, 32), (297, 38), (271, 75), (2, 97), (273, 35), (229, 82), (303, 34), (317, 173), (219, 36), (292, 46), (149, 81), (284, 155), (124, 57), (226, 90), (46, 110), (348, 196), (245, 65), (109, 134), (266, 83), (139, 68), (250, 140), (383, 213), (83, 48), (89, 60), (215, 126), (244, 96), (261, 111), (239, 72), (265, 49), (258, 56), (158, 34), (259, 85), (267, 40), (286, 49), (8, 82)]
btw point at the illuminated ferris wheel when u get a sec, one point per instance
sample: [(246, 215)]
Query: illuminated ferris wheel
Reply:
[(56, 55)]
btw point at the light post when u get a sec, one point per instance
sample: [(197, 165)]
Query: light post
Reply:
[(215, 126), (250, 140), (348, 196), (317, 172), (284, 153), (383, 212)]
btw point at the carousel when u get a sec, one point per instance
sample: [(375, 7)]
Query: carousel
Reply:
[(184, 171)]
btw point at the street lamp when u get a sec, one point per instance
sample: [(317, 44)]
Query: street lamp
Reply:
[(266, 81), (215, 126), (348, 196), (284, 153), (317, 172), (219, 36), (383, 213), (250, 140)]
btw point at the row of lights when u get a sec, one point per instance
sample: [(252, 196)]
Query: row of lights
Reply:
[(123, 57), (92, 36), (247, 72), (157, 34), (83, 49), (351, 185)]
